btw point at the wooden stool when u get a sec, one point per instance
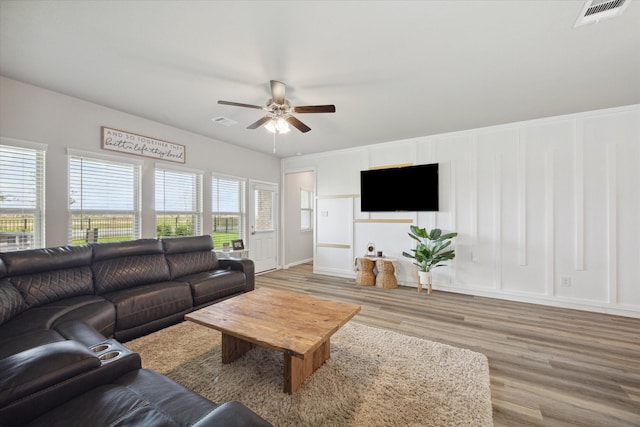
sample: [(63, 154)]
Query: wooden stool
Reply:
[(364, 272), (386, 277)]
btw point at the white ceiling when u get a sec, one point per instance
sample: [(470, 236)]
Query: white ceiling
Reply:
[(393, 69)]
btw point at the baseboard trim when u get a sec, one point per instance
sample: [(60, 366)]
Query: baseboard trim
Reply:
[(293, 264)]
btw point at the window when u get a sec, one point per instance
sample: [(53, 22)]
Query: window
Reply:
[(21, 195), (178, 202), (306, 210), (227, 209), (264, 210), (104, 198)]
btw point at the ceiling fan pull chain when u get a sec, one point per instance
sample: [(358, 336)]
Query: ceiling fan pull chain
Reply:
[(274, 143)]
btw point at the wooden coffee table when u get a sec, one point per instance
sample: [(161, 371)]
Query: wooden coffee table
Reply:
[(298, 325)]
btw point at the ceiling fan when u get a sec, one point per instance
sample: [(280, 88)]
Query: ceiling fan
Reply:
[(280, 112)]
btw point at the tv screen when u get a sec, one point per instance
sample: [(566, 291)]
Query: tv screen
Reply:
[(411, 188)]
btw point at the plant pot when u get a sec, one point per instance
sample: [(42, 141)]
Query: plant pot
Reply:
[(424, 279)]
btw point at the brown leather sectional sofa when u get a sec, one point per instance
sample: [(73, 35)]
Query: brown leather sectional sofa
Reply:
[(65, 311)]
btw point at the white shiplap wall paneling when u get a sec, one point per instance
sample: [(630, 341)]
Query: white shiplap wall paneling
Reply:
[(497, 221), (578, 143), (549, 235), (628, 212), (522, 197), (612, 223), (473, 184)]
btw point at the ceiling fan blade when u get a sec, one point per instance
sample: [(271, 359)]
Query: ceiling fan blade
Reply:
[(315, 109), (238, 104), (259, 123), (297, 124), (277, 91)]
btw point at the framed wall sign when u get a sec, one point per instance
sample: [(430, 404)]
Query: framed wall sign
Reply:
[(131, 143)]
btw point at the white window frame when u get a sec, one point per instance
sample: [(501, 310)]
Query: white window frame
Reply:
[(134, 212), (195, 210), (306, 210), (19, 240)]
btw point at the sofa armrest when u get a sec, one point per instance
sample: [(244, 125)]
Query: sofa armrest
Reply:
[(38, 382), (241, 264), (41, 367), (79, 331), (232, 414)]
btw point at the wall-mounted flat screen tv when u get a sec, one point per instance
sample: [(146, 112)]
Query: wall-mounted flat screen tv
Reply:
[(410, 188)]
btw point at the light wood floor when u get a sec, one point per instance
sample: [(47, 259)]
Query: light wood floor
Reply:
[(549, 366)]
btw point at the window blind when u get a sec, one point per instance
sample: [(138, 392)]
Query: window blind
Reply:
[(227, 208), (178, 203), (21, 197), (104, 200)]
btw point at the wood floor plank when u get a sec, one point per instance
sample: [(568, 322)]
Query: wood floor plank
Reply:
[(549, 366)]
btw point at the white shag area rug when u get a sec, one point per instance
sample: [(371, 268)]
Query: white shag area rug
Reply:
[(374, 377)]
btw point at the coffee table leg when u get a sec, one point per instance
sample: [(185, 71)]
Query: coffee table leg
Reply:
[(296, 370), (233, 348)]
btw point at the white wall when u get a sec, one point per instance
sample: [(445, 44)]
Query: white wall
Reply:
[(298, 244), (536, 204), (33, 114)]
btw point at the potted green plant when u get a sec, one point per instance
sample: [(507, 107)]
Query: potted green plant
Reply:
[(432, 249)]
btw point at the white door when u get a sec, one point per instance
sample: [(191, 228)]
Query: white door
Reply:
[(263, 243)]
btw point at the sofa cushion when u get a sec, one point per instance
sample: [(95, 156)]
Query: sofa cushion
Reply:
[(42, 260), (144, 304), (51, 274), (180, 403), (49, 286), (232, 414), (191, 262), (210, 286), (188, 255), (11, 301), (140, 398), (14, 344), (121, 265), (182, 244), (15, 338), (95, 310), (111, 250), (124, 335), (123, 408), (33, 370)]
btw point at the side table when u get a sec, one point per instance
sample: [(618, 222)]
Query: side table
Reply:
[(242, 253), (376, 271), (364, 271), (386, 277)]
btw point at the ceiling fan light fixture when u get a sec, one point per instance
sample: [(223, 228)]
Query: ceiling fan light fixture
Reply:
[(278, 125), (280, 113)]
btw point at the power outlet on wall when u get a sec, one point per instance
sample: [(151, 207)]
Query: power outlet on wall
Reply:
[(565, 281)]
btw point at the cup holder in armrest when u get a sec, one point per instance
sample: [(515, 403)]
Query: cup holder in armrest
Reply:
[(99, 348), (108, 351), (109, 356), (115, 357)]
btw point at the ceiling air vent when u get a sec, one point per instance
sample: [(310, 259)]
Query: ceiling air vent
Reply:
[(223, 121), (597, 10)]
